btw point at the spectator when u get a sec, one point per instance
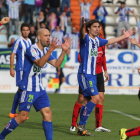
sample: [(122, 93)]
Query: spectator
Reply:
[(136, 36), (10, 45), (100, 13), (74, 35), (13, 12), (63, 18), (52, 21), (38, 5), (59, 33), (45, 8), (29, 8), (54, 6), (40, 19), (65, 2), (123, 43), (1, 4), (124, 17), (85, 9), (32, 34), (114, 46)]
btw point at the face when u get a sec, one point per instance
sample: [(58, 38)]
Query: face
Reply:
[(94, 29), (12, 40), (41, 14), (101, 3), (57, 28), (122, 5), (32, 29), (25, 32), (13, 0), (43, 25), (134, 31), (44, 38), (85, 1), (73, 30)]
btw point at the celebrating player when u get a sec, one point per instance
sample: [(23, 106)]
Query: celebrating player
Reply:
[(101, 62), (125, 134), (89, 45), (31, 89), (19, 49)]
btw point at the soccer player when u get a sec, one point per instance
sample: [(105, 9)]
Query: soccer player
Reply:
[(31, 89), (125, 134), (89, 44), (101, 62), (19, 49)]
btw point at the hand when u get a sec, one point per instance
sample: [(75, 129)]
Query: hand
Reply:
[(67, 44), (138, 70), (54, 45), (106, 76), (5, 20), (133, 41), (12, 72), (37, 19), (128, 33), (83, 22)]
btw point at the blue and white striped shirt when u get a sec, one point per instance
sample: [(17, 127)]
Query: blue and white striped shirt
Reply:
[(19, 48), (13, 9), (75, 40), (124, 16), (31, 80), (85, 10), (88, 52)]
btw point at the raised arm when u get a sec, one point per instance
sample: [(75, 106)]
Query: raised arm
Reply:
[(57, 63), (117, 39), (12, 72), (5, 20), (82, 29), (134, 41)]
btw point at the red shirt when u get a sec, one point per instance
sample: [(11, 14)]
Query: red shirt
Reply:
[(101, 60)]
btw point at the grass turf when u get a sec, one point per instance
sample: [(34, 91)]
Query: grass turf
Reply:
[(61, 106)]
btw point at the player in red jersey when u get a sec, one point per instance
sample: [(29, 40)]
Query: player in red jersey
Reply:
[(101, 63)]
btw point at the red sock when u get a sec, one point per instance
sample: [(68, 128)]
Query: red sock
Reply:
[(76, 111), (133, 132), (98, 114)]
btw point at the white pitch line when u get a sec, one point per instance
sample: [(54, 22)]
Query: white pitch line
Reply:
[(130, 116)]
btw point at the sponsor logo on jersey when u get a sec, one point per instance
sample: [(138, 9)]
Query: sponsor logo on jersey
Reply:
[(33, 52)]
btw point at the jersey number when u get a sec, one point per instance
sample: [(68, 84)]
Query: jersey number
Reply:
[(30, 98), (36, 68), (90, 83)]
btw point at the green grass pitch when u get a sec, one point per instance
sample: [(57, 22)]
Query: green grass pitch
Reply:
[(61, 106)]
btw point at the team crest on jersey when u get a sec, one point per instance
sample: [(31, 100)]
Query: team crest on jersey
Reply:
[(33, 52), (28, 106), (93, 52)]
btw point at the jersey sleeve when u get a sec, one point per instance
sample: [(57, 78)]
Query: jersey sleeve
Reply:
[(32, 54), (102, 42), (15, 47)]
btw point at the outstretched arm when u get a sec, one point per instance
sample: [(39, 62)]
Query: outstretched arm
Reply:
[(117, 39), (82, 29), (134, 41)]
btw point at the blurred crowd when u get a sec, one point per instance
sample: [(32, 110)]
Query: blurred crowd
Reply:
[(55, 15)]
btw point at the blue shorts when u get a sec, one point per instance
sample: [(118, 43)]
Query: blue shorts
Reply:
[(38, 99), (18, 77), (88, 84)]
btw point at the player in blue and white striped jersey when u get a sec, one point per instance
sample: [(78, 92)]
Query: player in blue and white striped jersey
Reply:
[(89, 44), (19, 49), (31, 89)]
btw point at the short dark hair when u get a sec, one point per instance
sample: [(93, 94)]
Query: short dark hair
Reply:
[(122, 2), (24, 25), (88, 24)]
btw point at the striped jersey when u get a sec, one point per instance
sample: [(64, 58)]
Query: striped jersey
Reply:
[(13, 9), (85, 10), (124, 16), (59, 35), (88, 52), (31, 80), (75, 40), (19, 48)]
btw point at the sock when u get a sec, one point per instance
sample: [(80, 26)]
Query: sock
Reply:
[(76, 111), (86, 112), (15, 103), (48, 129), (8, 128), (133, 132), (98, 115)]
